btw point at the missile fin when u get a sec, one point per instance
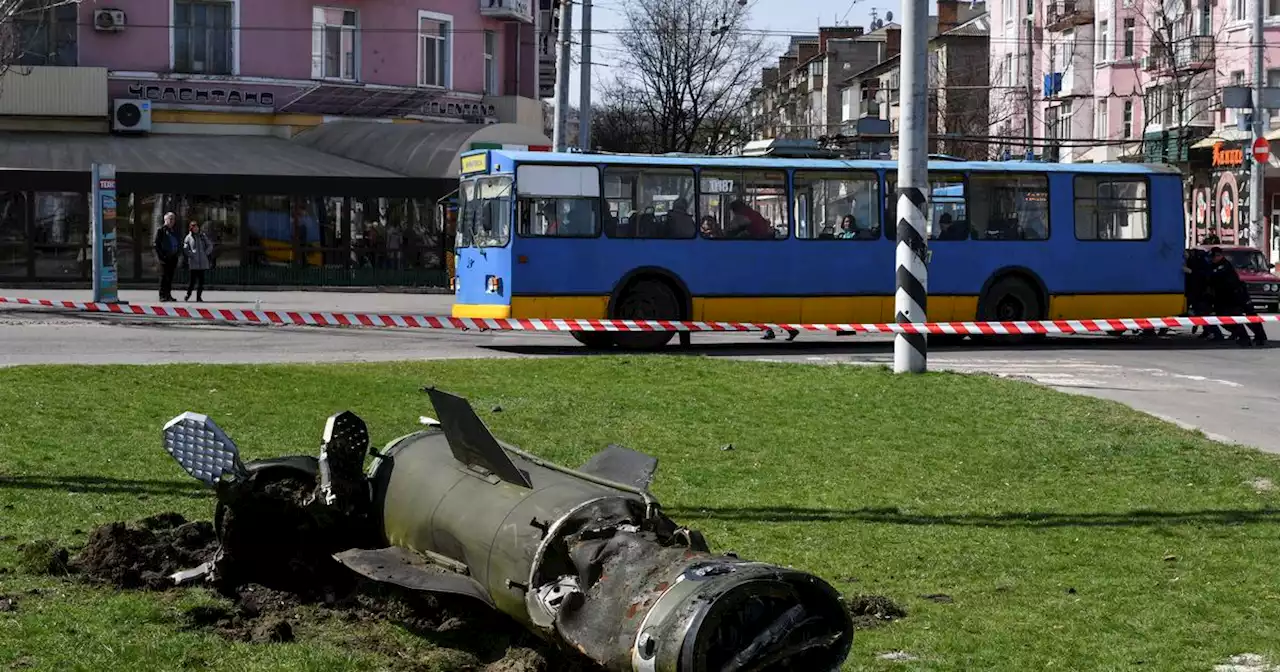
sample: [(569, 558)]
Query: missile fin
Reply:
[(621, 464), (471, 441), (406, 569)]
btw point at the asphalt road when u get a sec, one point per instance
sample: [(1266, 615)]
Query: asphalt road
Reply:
[(1230, 393)]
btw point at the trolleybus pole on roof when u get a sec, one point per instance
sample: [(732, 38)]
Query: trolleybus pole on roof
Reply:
[(912, 259)]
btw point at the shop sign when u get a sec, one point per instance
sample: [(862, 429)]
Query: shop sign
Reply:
[(1227, 157), (190, 92)]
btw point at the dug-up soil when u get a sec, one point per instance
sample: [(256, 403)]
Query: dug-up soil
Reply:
[(279, 585)]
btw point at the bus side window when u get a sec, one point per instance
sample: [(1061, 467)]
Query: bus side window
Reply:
[(1010, 206), (743, 204), (650, 202), (1112, 208), (947, 213), (558, 201), (836, 206)]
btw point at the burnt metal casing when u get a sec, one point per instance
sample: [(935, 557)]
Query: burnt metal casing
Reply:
[(427, 501)]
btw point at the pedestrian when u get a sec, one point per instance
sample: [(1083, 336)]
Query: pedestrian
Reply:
[(168, 247), (1231, 297), (1195, 273), (199, 253)]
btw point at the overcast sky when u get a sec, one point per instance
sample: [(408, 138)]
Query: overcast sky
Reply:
[(779, 17)]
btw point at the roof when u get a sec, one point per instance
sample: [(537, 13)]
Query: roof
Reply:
[(178, 154), (415, 150), (835, 164)]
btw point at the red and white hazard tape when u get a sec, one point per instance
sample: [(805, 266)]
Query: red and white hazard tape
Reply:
[(408, 321)]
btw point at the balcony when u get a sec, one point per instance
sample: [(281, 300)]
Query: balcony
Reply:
[(508, 10), (1194, 54), (1064, 14)]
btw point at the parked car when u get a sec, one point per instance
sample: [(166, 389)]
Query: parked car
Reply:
[(1256, 272)]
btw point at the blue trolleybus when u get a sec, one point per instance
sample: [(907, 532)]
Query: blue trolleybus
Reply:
[(554, 235)]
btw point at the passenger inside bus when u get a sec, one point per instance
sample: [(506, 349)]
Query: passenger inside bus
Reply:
[(746, 222), (679, 221), (709, 227)]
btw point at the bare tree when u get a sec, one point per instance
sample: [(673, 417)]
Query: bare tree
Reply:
[(689, 67), (1180, 76)]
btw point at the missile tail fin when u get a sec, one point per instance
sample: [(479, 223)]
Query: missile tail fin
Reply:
[(623, 465), (471, 441), (406, 569)]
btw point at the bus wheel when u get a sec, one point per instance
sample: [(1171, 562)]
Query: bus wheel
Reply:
[(1009, 300), (646, 300), (595, 340)]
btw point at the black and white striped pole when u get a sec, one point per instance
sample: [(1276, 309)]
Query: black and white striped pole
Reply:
[(912, 259)]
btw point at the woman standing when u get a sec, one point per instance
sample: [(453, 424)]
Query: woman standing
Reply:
[(199, 252)]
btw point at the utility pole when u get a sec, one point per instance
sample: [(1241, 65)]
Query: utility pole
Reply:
[(1257, 211), (584, 104), (1031, 86), (912, 278), (561, 117)]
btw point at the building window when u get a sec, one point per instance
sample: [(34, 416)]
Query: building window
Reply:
[(1104, 41), (202, 38), (1101, 130), (1008, 70), (46, 34), (1129, 30), (435, 47), (1126, 130), (1273, 81), (334, 43), (1273, 7), (490, 62), (1241, 10)]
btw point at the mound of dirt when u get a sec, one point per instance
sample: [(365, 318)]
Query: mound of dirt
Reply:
[(870, 611), (145, 554)]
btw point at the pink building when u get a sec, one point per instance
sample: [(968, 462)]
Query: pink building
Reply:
[(168, 90), (1137, 80)]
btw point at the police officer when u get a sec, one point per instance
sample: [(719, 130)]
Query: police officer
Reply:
[(1231, 297)]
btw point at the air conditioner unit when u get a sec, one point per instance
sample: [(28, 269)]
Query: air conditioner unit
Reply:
[(108, 20), (131, 116)]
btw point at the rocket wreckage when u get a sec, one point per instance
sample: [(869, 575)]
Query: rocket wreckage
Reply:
[(583, 558)]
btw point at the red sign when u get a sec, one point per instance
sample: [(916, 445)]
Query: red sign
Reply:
[(1261, 150)]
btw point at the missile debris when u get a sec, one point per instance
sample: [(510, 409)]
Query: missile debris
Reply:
[(585, 559)]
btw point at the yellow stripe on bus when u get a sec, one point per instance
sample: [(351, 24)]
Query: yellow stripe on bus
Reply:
[(833, 309)]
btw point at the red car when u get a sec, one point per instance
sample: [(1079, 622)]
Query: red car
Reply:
[(1255, 271)]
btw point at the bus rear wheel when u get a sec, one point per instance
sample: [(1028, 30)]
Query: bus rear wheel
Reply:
[(1009, 300), (646, 300)]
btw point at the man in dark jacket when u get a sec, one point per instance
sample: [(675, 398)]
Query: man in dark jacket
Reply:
[(168, 246), (1231, 297), (1195, 274)]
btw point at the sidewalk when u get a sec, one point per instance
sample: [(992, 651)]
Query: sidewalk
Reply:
[(328, 301)]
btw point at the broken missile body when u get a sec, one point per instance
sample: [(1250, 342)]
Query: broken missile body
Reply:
[(583, 558)]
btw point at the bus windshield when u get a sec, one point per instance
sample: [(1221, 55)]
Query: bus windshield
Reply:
[(484, 212)]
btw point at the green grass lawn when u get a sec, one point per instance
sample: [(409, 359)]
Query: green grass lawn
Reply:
[(1070, 533)]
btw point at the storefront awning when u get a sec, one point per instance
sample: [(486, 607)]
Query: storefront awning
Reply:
[(183, 163), (1222, 135), (416, 150)]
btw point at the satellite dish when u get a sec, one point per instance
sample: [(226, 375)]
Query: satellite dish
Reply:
[(888, 16)]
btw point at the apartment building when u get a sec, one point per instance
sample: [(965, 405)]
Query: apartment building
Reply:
[(1140, 80), (958, 76), (800, 96), (317, 142)]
